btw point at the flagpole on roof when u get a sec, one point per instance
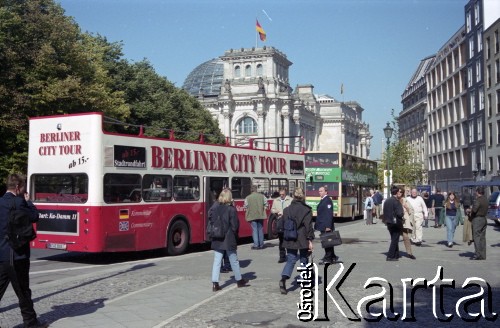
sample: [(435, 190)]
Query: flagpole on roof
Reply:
[(256, 35)]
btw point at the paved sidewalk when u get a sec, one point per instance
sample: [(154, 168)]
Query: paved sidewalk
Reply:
[(187, 301)]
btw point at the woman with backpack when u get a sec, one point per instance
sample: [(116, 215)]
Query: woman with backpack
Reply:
[(302, 245), (224, 217)]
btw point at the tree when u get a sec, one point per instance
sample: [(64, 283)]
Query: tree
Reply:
[(404, 163), (48, 66)]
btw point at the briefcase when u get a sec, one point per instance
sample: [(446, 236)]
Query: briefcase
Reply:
[(330, 239)]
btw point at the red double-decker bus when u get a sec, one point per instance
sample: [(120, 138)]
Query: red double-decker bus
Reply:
[(98, 191)]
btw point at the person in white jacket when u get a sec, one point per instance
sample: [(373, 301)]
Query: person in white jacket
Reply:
[(420, 214)]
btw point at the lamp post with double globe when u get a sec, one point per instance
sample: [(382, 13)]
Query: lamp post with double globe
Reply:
[(388, 134)]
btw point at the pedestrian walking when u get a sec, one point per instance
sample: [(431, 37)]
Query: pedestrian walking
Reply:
[(377, 201), (408, 227), (279, 204), (451, 206), (420, 214), (324, 223), (229, 243), (15, 264), (368, 212), (300, 248), (393, 216), (437, 207), (255, 205), (225, 264), (466, 200), (478, 216), (428, 204)]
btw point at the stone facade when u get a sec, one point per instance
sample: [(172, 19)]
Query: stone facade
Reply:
[(257, 102)]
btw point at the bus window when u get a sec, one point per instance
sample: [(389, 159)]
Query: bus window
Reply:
[(157, 188), (349, 190), (60, 188), (276, 185), (118, 188), (263, 186), (294, 184), (240, 187), (186, 187)]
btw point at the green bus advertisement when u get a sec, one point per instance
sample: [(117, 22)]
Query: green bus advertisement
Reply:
[(348, 178)]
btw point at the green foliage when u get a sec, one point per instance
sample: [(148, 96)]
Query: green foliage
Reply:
[(404, 163), (48, 66)]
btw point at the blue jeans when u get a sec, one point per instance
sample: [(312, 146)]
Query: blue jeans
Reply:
[(451, 224), (257, 233), (233, 259), (292, 255)]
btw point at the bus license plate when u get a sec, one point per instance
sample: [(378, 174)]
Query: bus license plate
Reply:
[(56, 246)]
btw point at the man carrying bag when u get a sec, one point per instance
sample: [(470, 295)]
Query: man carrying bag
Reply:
[(393, 215), (324, 223)]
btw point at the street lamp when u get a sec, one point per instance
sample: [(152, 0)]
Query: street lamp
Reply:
[(388, 134)]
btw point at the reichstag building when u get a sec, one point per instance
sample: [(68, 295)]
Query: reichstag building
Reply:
[(249, 94)]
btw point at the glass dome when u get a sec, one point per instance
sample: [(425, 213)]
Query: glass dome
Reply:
[(205, 79)]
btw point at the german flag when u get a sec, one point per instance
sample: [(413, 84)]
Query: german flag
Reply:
[(259, 29), (124, 215)]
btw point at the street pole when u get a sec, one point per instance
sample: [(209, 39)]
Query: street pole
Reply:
[(388, 169), (388, 134)]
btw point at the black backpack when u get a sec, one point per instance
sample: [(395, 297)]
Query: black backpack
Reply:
[(290, 229), (20, 228), (217, 227)]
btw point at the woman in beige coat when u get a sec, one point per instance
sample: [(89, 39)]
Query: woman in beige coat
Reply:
[(408, 225), (467, 237)]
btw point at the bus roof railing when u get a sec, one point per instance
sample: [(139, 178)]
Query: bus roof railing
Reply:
[(239, 142)]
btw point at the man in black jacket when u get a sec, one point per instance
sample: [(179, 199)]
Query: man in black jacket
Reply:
[(324, 222), (393, 215), (15, 264)]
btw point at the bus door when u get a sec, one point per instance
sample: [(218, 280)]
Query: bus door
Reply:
[(213, 187)]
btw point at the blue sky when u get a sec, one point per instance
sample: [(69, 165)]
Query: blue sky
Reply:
[(371, 46)]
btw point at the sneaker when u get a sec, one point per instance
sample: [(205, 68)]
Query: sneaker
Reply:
[(450, 245), (281, 260), (255, 247)]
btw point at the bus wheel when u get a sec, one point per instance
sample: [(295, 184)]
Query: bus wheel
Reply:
[(271, 227), (178, 238)]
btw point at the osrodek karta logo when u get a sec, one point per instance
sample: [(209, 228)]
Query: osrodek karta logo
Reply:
[(476, 304)]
